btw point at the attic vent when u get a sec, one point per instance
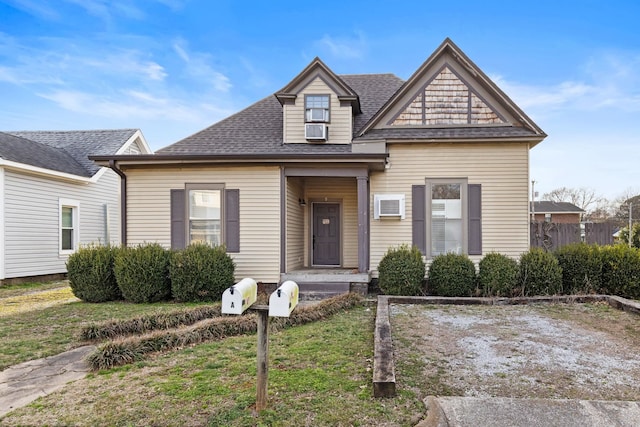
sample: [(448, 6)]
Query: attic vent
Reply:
[(388, 205), (315, 131)]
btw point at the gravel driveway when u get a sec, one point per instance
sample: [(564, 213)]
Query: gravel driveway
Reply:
[(570, 351)]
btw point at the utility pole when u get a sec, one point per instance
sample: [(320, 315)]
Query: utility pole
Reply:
[(533, 201), (630, 223)]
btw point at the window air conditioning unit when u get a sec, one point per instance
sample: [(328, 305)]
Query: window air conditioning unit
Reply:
[(388, 205), (315, 131)]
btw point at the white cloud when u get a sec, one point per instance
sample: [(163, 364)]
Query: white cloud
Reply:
[(610, 81), (197, 66), (344, 47)]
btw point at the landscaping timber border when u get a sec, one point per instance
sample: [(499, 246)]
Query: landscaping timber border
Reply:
[(384, 377)]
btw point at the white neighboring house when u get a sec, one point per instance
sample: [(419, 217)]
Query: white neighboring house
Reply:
[(53, 199)]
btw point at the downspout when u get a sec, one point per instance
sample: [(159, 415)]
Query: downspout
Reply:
[(123, 201)]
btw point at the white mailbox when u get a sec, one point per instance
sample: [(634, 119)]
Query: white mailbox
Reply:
[(284, 299), (239, 297)]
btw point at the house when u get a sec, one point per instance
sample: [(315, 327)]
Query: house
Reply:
[(556, 212), (54, 199), (317, 181)]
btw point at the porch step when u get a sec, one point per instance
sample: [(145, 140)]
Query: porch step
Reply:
[(320, 291)]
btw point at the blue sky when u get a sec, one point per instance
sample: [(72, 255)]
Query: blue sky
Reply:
[(173, 67)]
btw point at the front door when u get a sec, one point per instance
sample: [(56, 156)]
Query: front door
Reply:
[(326, 234)]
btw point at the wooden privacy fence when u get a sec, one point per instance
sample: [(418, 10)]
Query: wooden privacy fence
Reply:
[(551, 235)]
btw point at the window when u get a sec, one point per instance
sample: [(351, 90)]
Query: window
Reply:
[(205, 214), (316, 108), (69, 226), (446, 216)]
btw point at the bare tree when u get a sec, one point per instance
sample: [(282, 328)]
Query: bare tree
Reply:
[(585, 198)]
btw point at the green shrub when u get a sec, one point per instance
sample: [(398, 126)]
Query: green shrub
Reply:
[(401, 271), (621, 271), (142, 273), (200, 273), (452, 275), (90, 273), (539, 273), (581, 268), (497, 275)]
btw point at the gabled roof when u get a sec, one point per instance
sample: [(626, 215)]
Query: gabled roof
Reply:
[(448, 58), (258, 128), (546, 206), (318, 69), (65, 151)]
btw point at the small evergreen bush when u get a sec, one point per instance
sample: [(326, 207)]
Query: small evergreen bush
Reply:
[(90, 273), (497, 275), (401, 271), (581, 266), (539, 273), (200, 273), (142, 273), (621, 271), (452, 275)]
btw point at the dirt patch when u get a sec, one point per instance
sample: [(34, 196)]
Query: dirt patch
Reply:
[(571, 351)]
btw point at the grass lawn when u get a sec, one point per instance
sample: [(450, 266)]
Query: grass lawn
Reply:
[(320, 375)]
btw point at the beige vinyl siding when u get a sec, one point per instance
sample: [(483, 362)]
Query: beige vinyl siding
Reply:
[(340, 120), (295, 225), (149, 216), (341, 190), (32, 219), (502, 169)]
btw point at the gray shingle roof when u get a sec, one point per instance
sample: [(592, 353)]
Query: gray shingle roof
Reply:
[(62, 151), (449, 133), (545, 206), (258, 128)]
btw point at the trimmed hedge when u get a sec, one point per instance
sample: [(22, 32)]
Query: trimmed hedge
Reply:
[(142, 273), (90, 273), (581, 266), (497, 275), (452, 275), (401, 271), (200, 273), (621, 271), (539, 273)]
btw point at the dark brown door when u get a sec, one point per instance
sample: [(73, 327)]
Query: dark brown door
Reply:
[(326, 234)]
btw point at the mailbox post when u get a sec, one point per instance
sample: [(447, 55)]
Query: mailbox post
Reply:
[(243, 295)]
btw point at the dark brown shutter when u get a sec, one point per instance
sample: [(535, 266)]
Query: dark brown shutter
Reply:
[(475, 219), (232, 220), (418, 217), (177, 219)]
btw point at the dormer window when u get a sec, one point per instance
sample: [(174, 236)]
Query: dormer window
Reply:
[(316, 108)]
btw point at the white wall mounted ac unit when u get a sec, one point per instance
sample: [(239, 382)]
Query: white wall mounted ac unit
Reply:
[(388, 205), (315, 131)]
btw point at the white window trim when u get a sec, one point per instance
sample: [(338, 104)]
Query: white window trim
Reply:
[(187, 206), (75, 205), (464, 196)]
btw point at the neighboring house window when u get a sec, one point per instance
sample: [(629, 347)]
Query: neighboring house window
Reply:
[(547, 217), (316, 108), (69, 226), (205, 215)]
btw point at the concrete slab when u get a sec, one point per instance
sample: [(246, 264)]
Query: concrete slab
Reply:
[(506, 412), (22, 384)]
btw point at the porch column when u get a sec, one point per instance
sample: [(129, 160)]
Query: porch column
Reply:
[(363, 224)]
